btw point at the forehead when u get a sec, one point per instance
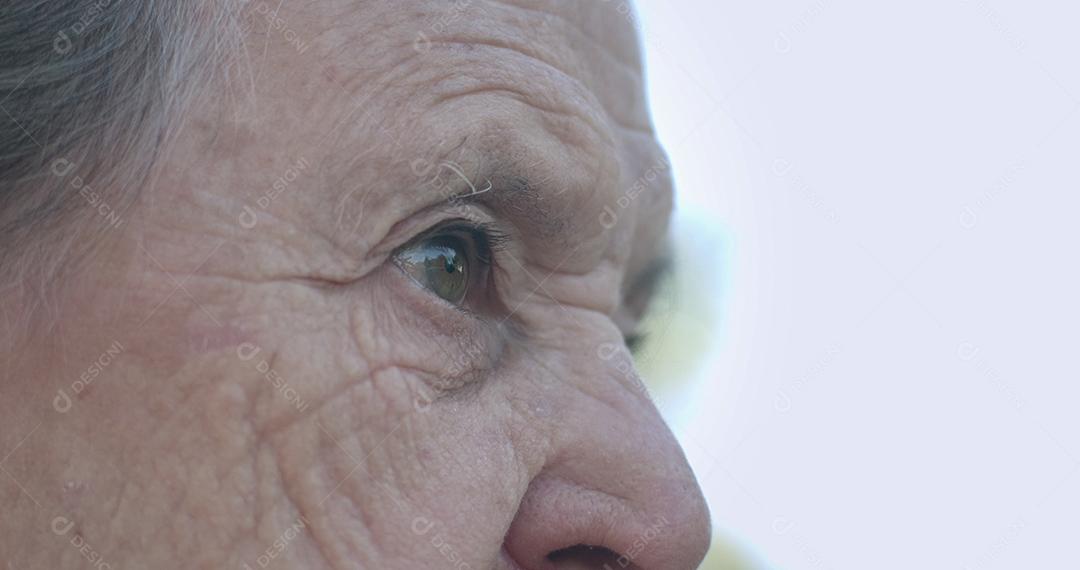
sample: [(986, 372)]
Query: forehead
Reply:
[(593, 43), (545, 99)]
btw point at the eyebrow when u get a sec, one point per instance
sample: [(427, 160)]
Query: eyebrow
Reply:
[(502, 187), (516, 196)]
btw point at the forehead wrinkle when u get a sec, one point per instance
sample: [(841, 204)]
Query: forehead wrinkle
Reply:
[(556, 197), (525, 79), (520, 41), (580, 25), (539, 69), (604, 68)]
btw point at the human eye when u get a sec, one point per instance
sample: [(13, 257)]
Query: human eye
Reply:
[(452, 261)]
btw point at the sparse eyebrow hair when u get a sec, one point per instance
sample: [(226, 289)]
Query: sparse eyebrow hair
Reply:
[(511, 193), (516, 196)]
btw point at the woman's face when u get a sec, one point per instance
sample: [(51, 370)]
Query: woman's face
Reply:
[(370, 314)]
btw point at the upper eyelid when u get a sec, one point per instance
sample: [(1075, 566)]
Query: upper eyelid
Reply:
[(512, 189), (491, 236), (423, 221)]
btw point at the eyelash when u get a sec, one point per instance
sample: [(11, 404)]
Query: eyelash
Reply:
[(485, 240), (482, 241), (488, 238)]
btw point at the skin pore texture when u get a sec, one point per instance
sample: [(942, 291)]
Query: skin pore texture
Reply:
[(262, 385)]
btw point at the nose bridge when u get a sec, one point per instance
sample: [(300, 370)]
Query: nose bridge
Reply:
[(614, 478)]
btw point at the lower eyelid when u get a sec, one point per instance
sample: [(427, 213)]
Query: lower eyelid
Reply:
[(472, 344), (487, 241)]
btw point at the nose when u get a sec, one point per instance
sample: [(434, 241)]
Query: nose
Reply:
[(616, 491)]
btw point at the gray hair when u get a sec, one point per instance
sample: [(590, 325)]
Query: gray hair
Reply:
[(90, 93)]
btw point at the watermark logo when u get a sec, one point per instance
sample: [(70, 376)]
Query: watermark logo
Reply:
[(446, 381), (63, 43), (610, 216), (247, 352), (783, 42), (277, 548), (249, 216), (61, 526), (972, 354), (276, 23), (453, 12), (623, 363), (640, 544), (63, 402), (424, 527), (969, 214), (783, 401), (62, 167), (783, 168)]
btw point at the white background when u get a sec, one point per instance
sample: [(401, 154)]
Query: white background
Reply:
[(880, 199)]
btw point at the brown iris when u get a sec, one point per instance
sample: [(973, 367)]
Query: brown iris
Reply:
[(440, 264)]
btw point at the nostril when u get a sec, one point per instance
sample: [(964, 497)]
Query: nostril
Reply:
[(562, 525), (584, 556)]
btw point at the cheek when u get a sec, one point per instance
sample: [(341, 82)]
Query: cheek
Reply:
[(469, 473), (422, 478), (367, 399)]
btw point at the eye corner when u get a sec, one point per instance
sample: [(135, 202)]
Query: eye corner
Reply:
[(452, 260)]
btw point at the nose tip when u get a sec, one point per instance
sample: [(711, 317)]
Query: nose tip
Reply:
[(613, 489), (662, 524)]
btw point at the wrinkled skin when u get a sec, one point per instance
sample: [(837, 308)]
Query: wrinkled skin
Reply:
[(427, 436)]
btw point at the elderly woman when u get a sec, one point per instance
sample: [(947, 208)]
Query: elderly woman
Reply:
[(334, 284)]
